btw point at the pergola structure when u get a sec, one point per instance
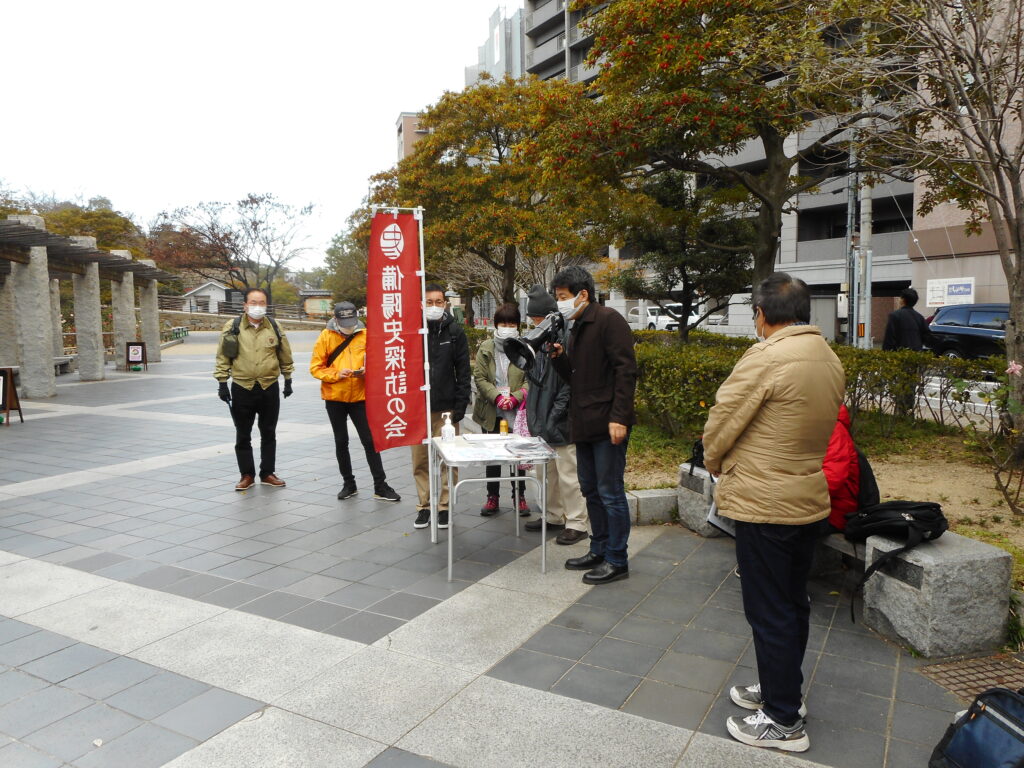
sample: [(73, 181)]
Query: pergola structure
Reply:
[(32, 264)]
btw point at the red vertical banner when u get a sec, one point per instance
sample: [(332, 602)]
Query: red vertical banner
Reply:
[(395, 401)]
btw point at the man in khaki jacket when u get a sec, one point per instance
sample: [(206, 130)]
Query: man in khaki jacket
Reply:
[(765, 440), (253, 352)]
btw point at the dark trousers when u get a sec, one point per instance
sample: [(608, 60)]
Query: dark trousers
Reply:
[(495, 470), (339, 414), (775, 560), (262, 406), (600, 467)]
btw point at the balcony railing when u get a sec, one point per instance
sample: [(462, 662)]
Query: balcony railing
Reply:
[(543, 54), (834, 248), (541, 15)]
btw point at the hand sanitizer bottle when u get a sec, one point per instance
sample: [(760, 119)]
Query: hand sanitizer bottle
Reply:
[(447, 429)]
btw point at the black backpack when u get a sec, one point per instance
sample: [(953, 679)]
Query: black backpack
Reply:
[(912, 521), (697, 459), (867, 491)]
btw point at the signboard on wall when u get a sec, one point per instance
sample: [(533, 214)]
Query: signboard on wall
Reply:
[(950, 290)]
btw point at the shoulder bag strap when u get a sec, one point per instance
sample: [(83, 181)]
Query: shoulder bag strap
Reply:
[(338, 350)]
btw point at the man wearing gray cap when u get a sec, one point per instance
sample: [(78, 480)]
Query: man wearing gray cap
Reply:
[(339, 361), (547, 414)]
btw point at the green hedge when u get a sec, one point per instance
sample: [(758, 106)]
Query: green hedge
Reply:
[(677, 383)]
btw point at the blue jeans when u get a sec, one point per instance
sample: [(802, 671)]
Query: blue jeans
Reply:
[(600, 467)]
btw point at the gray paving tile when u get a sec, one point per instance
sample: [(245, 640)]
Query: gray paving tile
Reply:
[(598, 686), (672, 704), (206, 561), (314, 562), (722, 620), (110, 678), (197, 586), (838, 672), (38, 709), (160, 577), (845, 747), (393, 757), (242, 568), (67, 662), (14, 684), (278, 555), (17, 755), (437, 586), (623, 656), (848, 708), (493, 556), (148, 746), (922, 725), (713, 645), (536, 670), (208, 714), (403, 605), (317, 586), (318, 615), (353, 570), (234, 595), (275, 605), (365, 627), (393, 578), (96, 562), (277, 577), (245, 547), (73, 736), (358, 596), (557, 640), (30, 647), (903, 754), (861, 647), (152, 697), (595, 620), (914, 687), (11, 629), (615, 597), (690, 671)]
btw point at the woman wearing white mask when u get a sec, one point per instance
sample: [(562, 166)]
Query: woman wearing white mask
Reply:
[(500, 388)]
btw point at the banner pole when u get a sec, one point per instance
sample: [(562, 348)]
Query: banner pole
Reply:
[(431, 458)]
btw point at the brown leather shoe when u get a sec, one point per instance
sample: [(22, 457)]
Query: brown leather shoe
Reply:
[(570, 536), (247, 482), (273, 480)]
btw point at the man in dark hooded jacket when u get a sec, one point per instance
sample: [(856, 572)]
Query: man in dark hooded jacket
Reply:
[(547, 412)]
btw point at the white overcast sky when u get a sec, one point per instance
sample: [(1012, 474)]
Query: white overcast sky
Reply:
[(157, 104)]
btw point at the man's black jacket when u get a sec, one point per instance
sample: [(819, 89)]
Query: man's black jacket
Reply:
[(449, 367), (906, 329), (600, 366)]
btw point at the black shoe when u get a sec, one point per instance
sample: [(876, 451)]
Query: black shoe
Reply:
[(442, 518), (534, 525), (422, 519), (348, 490), (606, 573), (585, 563), (385, 492)]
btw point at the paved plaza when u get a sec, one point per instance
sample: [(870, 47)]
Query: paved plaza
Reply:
[(150, 615)]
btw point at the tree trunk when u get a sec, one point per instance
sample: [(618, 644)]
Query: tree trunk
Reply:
[(774, 181), (468, 312), (508, 276)]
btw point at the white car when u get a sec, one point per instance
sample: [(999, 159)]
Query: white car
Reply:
[(656, 318)]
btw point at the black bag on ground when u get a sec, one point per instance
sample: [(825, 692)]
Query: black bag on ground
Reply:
[(913, 521), (989, 735)]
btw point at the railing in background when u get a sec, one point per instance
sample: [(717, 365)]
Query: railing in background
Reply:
[(192, 306)]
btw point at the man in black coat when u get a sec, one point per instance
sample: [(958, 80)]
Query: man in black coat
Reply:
[(600, 366), (906, 329), (450, 375), (547, 415)]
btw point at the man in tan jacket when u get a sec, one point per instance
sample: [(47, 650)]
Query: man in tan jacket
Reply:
[(765, 440)]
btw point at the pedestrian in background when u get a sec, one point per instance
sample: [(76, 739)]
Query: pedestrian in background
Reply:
[(254, 353), (547, 414), (448, 354), (339, 361), (765, 439), (906, 328), (500, 388)]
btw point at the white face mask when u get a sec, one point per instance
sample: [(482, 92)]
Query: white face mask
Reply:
[(256, 312), (434, 313), (347, 331), (757, 335), (506, 333), (567, 307)]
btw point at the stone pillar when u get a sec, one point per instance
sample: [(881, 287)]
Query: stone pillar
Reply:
[(122, 299), (58, 329), (89, 324), (149, 317), (9, 355), (35, 324)]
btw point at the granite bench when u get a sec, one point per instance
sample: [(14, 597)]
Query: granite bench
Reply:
[(943, 598)]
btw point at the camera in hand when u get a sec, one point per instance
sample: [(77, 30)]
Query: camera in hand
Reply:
[(522, 351)]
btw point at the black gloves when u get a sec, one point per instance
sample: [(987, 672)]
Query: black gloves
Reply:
[(223, 393), (287, 387)]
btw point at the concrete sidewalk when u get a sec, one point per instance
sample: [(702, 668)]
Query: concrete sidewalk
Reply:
[(154, 616)]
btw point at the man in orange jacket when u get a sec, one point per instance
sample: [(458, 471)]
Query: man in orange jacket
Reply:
[(339, 361)]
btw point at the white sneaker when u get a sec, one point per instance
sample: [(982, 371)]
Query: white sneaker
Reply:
[(749, 697), (759, 730)]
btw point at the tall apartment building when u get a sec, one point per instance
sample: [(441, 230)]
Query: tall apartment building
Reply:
[(556, 44), (408, 130), (502, 53)]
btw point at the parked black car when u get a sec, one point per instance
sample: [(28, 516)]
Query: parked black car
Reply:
[(969, 330)]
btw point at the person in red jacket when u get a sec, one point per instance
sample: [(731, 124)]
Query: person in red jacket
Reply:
[(842, 470)]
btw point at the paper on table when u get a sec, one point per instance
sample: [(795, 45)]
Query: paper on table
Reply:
[(473, 437)]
